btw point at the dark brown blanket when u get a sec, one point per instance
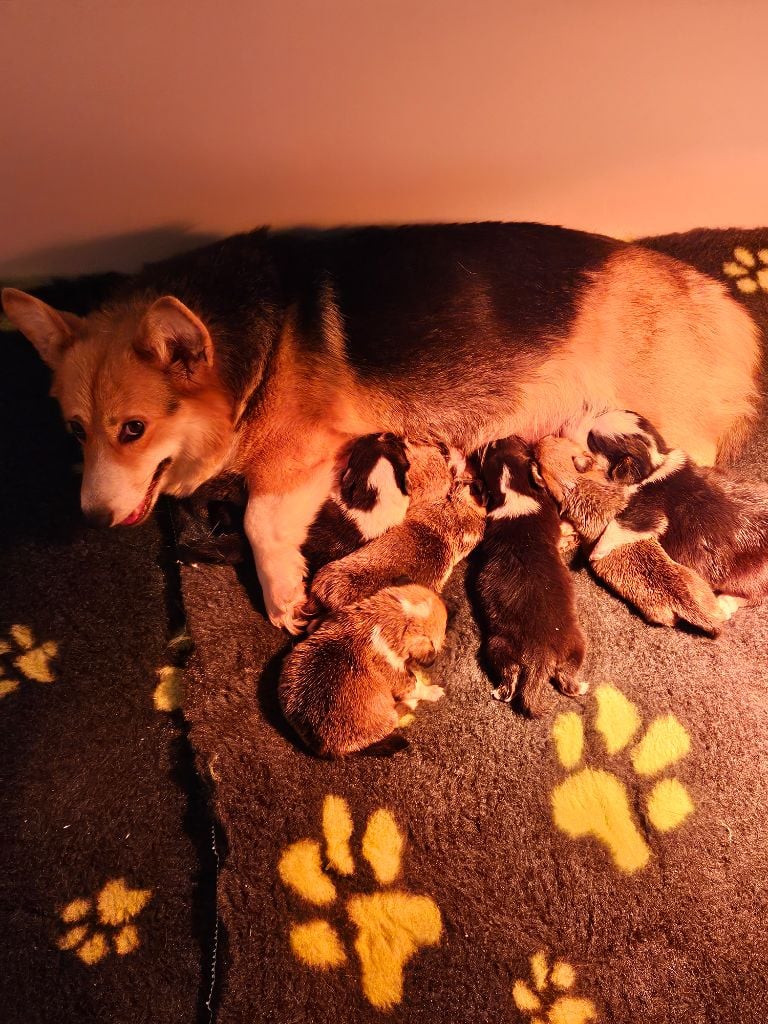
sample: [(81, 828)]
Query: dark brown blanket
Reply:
[(607, 863)]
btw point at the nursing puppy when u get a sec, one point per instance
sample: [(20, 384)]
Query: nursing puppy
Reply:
[(706, 519), (524, 590), (348, 684), (265, 354), (444, 522), (369, 496), (633, 563)]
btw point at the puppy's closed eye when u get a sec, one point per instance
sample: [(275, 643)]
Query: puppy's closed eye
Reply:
[(582, 463)]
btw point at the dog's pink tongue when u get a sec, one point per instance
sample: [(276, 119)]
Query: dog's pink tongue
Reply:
[(134, 517)]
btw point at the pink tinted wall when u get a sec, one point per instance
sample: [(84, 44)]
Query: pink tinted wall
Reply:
[(131, 128)]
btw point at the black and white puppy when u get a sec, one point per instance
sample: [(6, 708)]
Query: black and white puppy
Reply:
[(706, 519), (371, 497), (524, 590)]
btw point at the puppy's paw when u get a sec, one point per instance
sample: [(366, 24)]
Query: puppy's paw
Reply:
[(569, 684), (729, 605), (507, 689)]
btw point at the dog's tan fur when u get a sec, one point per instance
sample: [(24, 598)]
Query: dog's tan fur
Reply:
[(346, 686), (303, 402), (443, 524)]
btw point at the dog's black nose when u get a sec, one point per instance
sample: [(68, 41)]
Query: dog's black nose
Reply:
[(98, 517)]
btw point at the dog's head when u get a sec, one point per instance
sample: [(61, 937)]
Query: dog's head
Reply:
[(138, 388)]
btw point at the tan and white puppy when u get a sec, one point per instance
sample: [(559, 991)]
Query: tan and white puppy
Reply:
[(444, 522), (348, 684)]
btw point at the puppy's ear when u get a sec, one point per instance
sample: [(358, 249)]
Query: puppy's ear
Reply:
[(50, 330), (628, 455), (422, 651), (536, 478), (629, 470), (173, 338)]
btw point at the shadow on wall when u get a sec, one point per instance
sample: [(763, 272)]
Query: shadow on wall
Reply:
[(118, 252)]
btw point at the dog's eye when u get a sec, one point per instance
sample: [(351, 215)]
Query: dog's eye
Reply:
[(131, 431), (77, 430), (582, 463)]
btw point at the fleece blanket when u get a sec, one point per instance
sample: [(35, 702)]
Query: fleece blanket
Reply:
[(107, 903), (606, 863)]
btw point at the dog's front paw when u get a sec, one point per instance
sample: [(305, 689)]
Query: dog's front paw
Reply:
[(289, 612), (285, 595)]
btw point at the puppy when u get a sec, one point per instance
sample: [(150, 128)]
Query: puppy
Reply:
[(706, 519), (524, 590), (444, 522), (347, 685), (632, 562), (369, 496)]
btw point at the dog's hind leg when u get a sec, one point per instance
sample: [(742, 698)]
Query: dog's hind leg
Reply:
[(662, 590)]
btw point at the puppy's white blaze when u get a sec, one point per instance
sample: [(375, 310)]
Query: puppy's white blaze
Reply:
[(381, 647), (616, 536), (391, 504), (515, 504), (673, 462), (418, 609)]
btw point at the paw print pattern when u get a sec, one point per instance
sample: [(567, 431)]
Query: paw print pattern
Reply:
[(104, 923), (748, 269), (21, 657), (562, 1009), (391, 924), (594, 802)]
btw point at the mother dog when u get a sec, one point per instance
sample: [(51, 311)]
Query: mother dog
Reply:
[(264, 354)]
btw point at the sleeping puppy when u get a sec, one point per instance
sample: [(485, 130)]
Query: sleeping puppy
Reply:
[(523, 587), (632, 562), (707, 519), (347, 685), (444, 522)]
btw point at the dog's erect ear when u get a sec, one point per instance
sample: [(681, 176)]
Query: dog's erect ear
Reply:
[(50, 330), (172, 336)]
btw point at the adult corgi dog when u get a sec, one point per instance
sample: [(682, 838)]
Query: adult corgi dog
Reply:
[(266, 353)]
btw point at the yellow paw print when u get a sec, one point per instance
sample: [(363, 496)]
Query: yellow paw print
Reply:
[(20, 655), (750, 270), (113, 908), (594, 802), (563, 1009), (169, 692), (391, 924)]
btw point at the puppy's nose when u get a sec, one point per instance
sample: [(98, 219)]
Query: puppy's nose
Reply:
[(98, 516)]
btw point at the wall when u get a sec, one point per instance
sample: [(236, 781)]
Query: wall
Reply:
[(131, 128)]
